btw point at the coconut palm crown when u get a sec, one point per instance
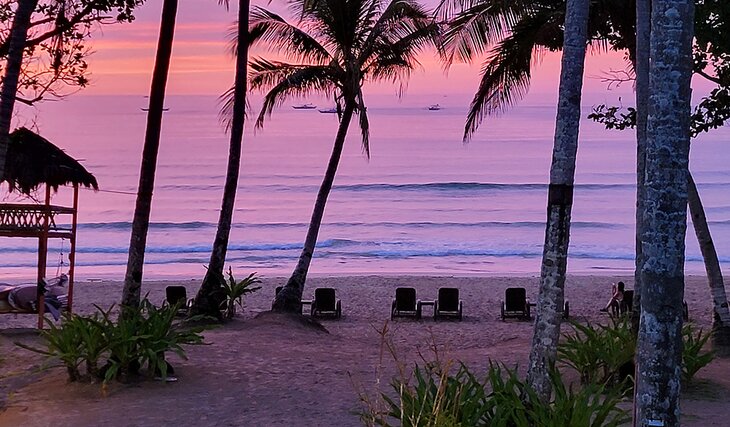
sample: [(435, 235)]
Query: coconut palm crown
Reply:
[(334, 48), (514, 34)]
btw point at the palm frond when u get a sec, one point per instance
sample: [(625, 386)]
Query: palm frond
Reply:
[(292, 41), (362, 113), (475, 29), (287, 80), (225, 114), (505, 77)]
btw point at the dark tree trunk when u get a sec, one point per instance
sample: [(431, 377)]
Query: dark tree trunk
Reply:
[(141, 221), (18, 36), (659, 347), (560, 200), (209, 296), (720, 313), (641, 67), (290, 297)]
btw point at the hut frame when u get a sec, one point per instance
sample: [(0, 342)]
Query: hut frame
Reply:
[(39, 221), (34, 162)]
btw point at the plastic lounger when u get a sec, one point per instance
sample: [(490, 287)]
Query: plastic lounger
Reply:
[(448, 304), (326, 304), (515, 304), (178, 295), (405, 304)]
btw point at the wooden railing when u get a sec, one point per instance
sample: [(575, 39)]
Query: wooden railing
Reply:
[(29, 220)]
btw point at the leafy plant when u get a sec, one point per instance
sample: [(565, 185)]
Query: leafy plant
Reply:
[(64, 343), (235, 291), (599, 353), (693, 359), (140, 337), (440, 399)]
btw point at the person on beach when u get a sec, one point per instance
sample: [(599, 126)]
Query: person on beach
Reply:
[(617, 296)]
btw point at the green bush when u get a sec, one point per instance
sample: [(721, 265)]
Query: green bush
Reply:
[(440, 399), (235, 291), (604, 353), (600, 354), (140, 337), (693, 358)]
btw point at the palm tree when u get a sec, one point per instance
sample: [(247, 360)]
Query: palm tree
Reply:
[(18, 36), (560, 200), (335, 47), (209, 296), (659, 347), (141, 221)]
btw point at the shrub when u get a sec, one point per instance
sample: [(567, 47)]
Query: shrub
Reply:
[(600, 354), (140, 337), (693, 358), (440, 399), (235, 291)]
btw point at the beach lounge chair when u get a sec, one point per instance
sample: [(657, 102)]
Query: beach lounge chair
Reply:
[(325, 304), (405, 304), (516, 304), (627, 306), (178, 294), (448, 304)]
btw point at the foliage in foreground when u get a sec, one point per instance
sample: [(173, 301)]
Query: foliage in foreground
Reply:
[(434, 397), (140, 337), (604, 353)]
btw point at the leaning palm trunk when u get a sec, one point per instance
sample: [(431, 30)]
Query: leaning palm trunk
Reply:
[(659, 347), (18, 36), (141, 221), (289, 298), (209, 296), (720, 312), (643, 30), (560, 200)]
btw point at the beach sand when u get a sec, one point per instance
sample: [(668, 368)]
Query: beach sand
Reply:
[(268, 372)]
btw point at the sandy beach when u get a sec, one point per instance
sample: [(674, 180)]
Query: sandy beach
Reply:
[(266, 372)]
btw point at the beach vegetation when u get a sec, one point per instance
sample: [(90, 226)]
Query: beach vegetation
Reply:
[(137, 339), (604, 354), (435, 396), (235, 290), (233, 116), (333, 49)]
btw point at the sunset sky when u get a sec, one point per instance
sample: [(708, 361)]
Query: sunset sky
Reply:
[(124, 54)]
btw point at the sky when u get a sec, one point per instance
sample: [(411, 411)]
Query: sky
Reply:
[(201, 64)]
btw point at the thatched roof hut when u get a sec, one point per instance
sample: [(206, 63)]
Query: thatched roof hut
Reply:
[(32, 161)]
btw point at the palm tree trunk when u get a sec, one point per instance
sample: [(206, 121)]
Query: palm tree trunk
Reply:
[(209, 296), (141, 221), (659, 347), (18, 36), (560, 200), (720, 312), (641, 68), (290, 297)]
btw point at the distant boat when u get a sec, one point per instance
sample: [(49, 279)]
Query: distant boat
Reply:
[(434, 107), (147, 109), (328, 110), (304, 107)]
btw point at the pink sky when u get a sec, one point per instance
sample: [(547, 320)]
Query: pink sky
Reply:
[(201, 64)]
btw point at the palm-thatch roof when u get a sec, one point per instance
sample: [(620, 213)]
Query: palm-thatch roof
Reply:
[(32, 161)]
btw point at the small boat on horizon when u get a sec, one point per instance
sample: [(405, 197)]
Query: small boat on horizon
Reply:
[(434, 107), (147, 109), (328, 110), (307, 106)]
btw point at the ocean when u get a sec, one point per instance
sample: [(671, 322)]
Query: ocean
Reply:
[(424, 203)]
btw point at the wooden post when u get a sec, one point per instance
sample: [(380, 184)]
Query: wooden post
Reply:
[(43, 255), (72, 251)]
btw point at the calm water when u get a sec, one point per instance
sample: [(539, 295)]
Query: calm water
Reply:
[(424, 203)]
